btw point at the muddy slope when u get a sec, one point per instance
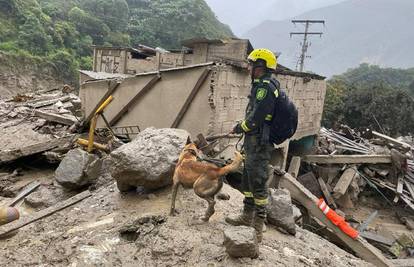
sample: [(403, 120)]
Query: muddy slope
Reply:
[(87, 234)]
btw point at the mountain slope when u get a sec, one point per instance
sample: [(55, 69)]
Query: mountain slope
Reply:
[(63, 31), (254, 12), (372, 31)]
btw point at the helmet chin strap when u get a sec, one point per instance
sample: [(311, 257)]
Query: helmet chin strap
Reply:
[(254, 71)]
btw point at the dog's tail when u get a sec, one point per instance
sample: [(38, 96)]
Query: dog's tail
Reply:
[(232, 166)]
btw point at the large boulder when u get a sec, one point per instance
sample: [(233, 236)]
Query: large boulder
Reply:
[(280, 210), (78, 169), (149, 160), (241, 242)]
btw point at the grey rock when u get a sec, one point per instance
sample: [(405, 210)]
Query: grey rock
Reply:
[(280, 210), (149, 160), (241, 242), (78, 169), (296, 213)]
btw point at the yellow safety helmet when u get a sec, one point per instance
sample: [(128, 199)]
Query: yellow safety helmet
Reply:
[(264, 54)]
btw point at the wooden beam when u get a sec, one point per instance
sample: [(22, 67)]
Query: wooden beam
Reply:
[(294, 166), (111, 91), (85, 143), (25, 192), (4, 230), (360, 246), (326, 193), (400, 187), (348, 159), (55, 117), (40, 104), (369, 236), (10, 155), (408, 202), (403, 262), (391, 140), (343, 183), (135, 99), (190, 98), (410, 188)]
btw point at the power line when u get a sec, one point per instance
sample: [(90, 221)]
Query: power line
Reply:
[(306, 33)]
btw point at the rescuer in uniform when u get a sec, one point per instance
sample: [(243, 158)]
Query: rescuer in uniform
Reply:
[(257, 147)]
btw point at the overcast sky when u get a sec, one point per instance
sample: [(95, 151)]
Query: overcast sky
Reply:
[(242, 15)]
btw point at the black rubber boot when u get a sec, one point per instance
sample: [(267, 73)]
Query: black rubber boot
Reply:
[(245, 218), (258, 224)]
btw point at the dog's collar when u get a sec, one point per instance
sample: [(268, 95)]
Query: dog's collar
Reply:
[(194, 153)]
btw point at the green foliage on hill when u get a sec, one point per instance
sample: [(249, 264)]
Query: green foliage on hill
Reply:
[(367, 94), (62, 31)]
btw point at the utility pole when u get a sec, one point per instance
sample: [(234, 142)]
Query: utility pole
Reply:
[(306, 33)]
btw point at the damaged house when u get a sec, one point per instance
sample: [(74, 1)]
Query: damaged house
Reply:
[(202, 88)]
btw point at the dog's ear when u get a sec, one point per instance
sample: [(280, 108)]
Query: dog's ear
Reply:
[(188, 140)]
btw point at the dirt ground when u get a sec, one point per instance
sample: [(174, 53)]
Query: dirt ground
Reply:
[(88, 234)]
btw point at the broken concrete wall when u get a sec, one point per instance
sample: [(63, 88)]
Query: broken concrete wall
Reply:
[(234, 49), (108, 59), (232, 86), (120, 60), (142, 65), (220, 102), (228, 98), (160, 106), (308, 96)]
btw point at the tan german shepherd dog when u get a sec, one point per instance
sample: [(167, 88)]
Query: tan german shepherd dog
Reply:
[(205, 178)]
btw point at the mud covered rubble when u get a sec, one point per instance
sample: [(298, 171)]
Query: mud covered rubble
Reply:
[(38, 122), (368, 178), (93, 233), (117, 229)]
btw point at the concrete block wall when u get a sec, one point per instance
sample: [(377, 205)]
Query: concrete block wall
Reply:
[(235, 49), (231, 86), (110, 60), (308, 96)]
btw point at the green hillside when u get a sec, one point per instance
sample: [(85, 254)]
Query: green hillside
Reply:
[(62, 31), (370, 96)]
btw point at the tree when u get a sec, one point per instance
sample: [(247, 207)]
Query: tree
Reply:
[(33, 38), (363, 96), (89, 25)]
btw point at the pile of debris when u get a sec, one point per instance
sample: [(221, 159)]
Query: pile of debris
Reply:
[(37, 122), (350, 166)]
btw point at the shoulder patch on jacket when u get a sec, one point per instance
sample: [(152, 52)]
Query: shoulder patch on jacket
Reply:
[(261, 93)]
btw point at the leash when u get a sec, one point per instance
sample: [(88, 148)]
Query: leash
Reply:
[(238, 143)]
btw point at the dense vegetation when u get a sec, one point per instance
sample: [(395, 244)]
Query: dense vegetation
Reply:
[(62, 31), (374, 97)]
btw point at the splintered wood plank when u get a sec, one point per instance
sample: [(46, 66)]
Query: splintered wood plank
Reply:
[(410, 188), (348, 159), (4, 230), (294, 166), (326, 193), (25, 192), (391, 140), (56, 117), (400, 187), (343, 183), (360, 246)]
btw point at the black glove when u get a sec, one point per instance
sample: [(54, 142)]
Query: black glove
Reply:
[(237, 129)]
